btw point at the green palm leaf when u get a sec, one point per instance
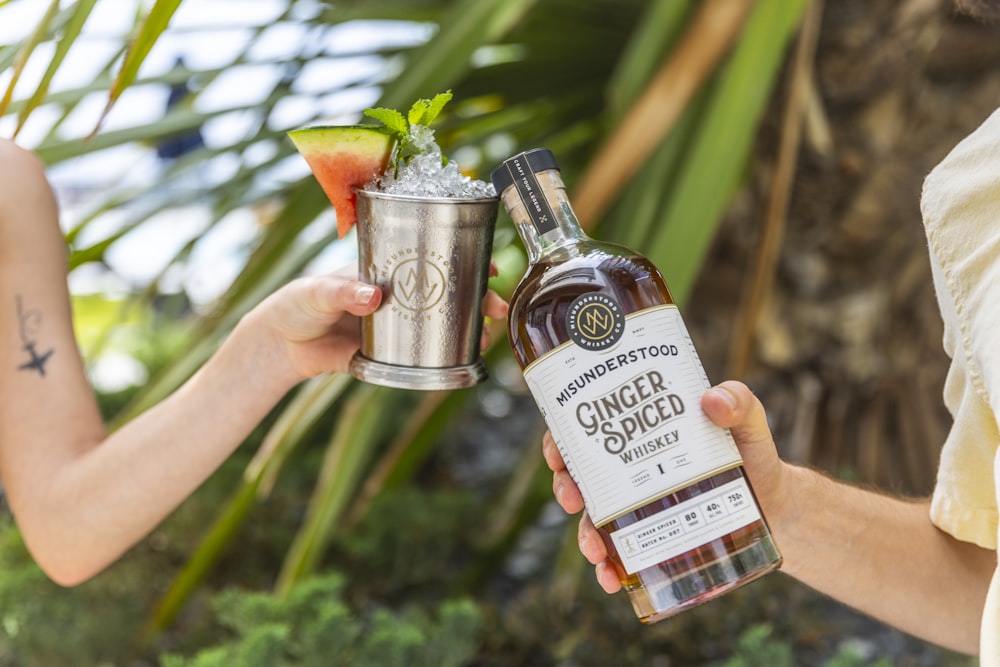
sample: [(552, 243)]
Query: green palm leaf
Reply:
[(443, 59), (311, 402), (21, 55), (149, 31), (351, 447), (720, 149), (81, 12)]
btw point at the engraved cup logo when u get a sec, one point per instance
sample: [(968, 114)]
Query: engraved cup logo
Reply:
[(595, 321), (418, 284)]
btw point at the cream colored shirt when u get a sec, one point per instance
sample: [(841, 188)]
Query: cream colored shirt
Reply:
[(961, 212)]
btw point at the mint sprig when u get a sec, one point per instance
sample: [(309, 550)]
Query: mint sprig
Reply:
[(423, 112)]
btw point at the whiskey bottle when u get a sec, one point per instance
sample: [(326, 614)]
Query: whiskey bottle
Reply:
[(618, 382)]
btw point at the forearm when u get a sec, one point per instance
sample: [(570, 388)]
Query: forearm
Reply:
[(883, 556), (109, 496)]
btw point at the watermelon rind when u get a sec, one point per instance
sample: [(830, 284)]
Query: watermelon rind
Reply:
[(344, 157)]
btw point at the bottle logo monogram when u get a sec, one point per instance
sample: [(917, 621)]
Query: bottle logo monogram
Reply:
[(595, 321), (417, 284)]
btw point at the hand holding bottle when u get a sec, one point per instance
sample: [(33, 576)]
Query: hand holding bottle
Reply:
[(730, 405)]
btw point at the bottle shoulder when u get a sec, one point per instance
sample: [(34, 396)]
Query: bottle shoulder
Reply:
[(537, 320), (587, 262), (604, 267)]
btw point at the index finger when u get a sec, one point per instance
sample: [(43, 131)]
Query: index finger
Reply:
[(551, 453), (494, 307)]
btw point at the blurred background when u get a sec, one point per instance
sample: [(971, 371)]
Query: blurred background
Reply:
[(768, 155)]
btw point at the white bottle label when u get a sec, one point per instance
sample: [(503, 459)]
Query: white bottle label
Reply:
[(627, 418), (686, 526)]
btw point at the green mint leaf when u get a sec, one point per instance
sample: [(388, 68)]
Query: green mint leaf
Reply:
[(392, 119), (423, 112), (436, 105), (417, 112)]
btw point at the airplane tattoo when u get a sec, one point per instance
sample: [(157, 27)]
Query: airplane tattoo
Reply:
[(30, 322)]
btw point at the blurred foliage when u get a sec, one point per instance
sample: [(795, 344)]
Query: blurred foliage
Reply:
[(43, 624), (379, 591), (757, 647), (312, 626), (366, 481)]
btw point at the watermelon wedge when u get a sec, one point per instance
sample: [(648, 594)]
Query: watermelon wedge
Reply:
[(343, 157)]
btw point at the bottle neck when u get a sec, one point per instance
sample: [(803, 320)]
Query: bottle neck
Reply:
[(543, 216)]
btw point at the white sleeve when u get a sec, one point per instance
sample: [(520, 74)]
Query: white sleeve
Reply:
[(961, 212)]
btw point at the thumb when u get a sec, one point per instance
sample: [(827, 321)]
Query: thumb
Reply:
[(332, 294), (732, 405), (307, 307)]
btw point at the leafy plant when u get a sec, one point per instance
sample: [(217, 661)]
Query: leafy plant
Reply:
[(758, 646), (410, 537), (44, 624), (313, 627)]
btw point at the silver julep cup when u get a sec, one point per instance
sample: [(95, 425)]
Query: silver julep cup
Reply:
[(431, 258)]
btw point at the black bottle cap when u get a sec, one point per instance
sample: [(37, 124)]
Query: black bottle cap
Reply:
[(536, 159)]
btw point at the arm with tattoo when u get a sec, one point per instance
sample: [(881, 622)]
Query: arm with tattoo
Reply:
[(81, 496)]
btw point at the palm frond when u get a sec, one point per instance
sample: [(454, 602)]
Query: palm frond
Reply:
[(152, 27), (590, 89), (20, 55)]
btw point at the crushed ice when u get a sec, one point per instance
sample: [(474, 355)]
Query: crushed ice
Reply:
[(424, 176)]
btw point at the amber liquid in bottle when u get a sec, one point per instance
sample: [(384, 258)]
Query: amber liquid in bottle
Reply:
[(537, 324), (565, 265)]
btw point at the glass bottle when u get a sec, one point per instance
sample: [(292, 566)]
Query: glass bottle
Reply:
[(616, 377)]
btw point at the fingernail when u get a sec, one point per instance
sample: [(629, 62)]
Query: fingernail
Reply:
[(559, 493), (364, 294), (726, 396)]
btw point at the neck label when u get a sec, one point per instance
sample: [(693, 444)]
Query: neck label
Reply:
[(535, 203)]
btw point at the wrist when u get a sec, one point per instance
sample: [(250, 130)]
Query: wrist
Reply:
[(264, 352), (785, 507), (785, 513)]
